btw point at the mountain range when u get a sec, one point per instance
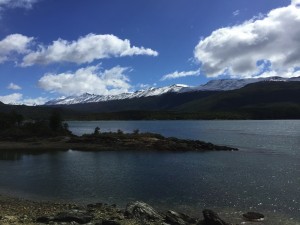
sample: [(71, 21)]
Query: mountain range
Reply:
[(213, 85), (270, 98)]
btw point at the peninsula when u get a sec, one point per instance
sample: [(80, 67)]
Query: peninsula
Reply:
[(53, 134)]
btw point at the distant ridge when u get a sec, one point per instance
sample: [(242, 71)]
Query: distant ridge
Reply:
[(213, 85), (260, 100)]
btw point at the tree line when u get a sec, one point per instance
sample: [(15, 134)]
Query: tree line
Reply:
[(14, 125)]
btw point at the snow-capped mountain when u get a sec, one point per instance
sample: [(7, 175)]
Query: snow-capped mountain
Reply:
[(89, 98), (233, 84), (213, 85)]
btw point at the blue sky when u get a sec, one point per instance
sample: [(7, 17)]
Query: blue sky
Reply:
[(51, 48)]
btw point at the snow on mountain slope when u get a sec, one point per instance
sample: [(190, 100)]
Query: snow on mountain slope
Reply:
[(233, 84), (88, 98), (213, 85)]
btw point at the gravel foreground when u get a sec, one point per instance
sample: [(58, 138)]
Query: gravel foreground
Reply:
[(19, 211), (14, 211)]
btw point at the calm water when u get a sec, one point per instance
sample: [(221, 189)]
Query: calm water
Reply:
[(263, 176)]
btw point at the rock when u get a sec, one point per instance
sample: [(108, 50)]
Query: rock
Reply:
[(142, 211), (44, 219), (174, 218), (80, 217), (254, 216), (212, 218), (96, 205), (10, 219), (117, 217), (110, 222)]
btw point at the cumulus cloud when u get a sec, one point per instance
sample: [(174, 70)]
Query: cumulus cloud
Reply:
[(177, 74), (13, 86), (18, 99), (85, 50), (11, 99), (295, 2), (90, 79), (268, 44), (12, 44)]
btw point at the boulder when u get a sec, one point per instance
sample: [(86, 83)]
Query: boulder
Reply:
[(44, 219), (110, 222), (212, 218), (80, 217), (142, 211), (175, 218), (254, 216), (95, 205)]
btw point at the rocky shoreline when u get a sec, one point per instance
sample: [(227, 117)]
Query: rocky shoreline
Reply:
[(111, 142), (16, 211)]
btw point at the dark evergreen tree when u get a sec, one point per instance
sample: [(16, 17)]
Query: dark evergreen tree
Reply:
[(97, 131), (55, 121)]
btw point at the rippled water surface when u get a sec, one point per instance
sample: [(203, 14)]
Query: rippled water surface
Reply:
[(263, 176)]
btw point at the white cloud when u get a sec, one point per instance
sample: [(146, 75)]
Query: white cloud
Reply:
[(287, 74), (10, 4), (296, 2), (18, 99), (85, 50), (17, 3), (13, 86), (177, 74), (14, 43), (238, 51), (34, 101), (11, 99), (90, 79), (236, 13), (142, 86)]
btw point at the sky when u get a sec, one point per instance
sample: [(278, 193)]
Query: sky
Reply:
[(51, 48)]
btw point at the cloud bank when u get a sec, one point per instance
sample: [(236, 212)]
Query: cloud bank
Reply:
[(90, 79), (18, 99), (85, 50), (258, 47), (177, 74)]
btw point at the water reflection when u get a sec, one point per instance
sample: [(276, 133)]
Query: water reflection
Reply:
[(16, 155), (10, 155)]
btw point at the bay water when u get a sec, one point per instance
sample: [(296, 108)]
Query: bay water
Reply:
[(263, 176)]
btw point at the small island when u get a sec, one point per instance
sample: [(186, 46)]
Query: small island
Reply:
[(53, 134)]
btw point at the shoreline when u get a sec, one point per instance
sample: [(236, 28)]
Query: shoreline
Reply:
[(17, 211)]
